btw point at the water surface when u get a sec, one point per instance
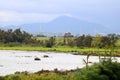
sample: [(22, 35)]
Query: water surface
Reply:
[(12, 61)]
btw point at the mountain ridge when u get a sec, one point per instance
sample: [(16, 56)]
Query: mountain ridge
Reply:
[(64, 24)]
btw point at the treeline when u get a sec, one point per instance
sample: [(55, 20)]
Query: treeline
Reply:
[(17, 37), (14, 36), (98, 41)]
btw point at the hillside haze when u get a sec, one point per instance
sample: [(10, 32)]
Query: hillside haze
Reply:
[(63, 24)]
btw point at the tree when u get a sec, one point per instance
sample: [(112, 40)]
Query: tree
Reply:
[(70, 42), (96, 42), (17, 35), (113, 38), (105, 41), (67, 39), (2, 35), (117, 44), (87, 41), (79, 41), (50, 42)]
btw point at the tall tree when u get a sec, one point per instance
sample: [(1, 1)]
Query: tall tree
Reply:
[(50, 42), (96, 42), (79, 41), (113, 38), (87, 41)]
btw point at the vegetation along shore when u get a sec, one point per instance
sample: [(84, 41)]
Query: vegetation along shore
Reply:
[(82, 44)]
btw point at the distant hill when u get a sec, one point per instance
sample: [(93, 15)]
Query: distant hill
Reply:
[(64, 24)]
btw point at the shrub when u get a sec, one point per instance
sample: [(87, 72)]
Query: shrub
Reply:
[(100, 71)]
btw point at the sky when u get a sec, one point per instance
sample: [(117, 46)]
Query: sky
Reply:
[(15, 12)]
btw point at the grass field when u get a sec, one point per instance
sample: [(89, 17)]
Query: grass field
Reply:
[(83, 51)]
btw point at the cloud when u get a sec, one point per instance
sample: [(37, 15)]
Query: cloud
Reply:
[(9, 16), (24, 11), (18, 18)]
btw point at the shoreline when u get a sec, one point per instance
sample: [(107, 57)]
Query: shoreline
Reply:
[(63, 72), (74, 51)]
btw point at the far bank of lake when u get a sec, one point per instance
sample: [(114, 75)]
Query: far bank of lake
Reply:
[(74, 50)]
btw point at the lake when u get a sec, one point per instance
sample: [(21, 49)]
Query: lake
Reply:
[(12, 61)]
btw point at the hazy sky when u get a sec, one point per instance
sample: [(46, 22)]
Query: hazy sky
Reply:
[(106, 12)]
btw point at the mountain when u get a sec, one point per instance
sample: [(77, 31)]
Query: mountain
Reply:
[(64, 24)]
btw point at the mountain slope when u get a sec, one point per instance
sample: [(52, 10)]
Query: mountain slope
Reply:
[(65, 24)]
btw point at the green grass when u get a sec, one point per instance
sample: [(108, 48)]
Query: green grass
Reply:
[(83, 51), (42, 38), (43, 76)]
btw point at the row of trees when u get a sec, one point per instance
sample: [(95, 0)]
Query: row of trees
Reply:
[(18, 36), (87, 41), (97, 41), (14, 36)]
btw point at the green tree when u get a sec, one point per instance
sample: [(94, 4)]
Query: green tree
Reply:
[(105, 41), (113, 38), (70, 42), (96, 42), (87, 41), (50, 42), (79, 41), (2, 35)]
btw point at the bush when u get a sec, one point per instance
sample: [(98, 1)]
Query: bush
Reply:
[(100, 71), (12, 44), (2, 78), (13, 77)]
